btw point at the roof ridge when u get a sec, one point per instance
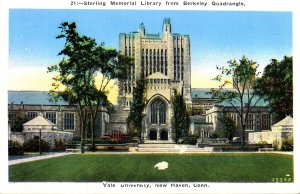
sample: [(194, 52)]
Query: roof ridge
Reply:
[(39, 118)]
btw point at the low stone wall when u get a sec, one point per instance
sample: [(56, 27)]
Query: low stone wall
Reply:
[(18, 136), (21, 137), (268, 136)]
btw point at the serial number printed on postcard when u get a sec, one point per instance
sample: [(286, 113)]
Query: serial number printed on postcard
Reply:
[(281, 179)]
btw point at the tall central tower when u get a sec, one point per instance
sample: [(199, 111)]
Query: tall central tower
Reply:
[(164, 61)]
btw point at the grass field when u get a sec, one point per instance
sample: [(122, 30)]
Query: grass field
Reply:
[(217, 167)]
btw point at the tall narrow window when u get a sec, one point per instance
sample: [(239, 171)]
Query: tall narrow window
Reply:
[(166, 62), (182, 65), (12, 117), (250, 122), (69, 121), (147, 65), (151, 65), (175, 65), (265, 121), (162, 113), (51, 116), (143, 63), (158, 61), (158, 112), (162, 60), (154, 113), (133, 51), (178, 64), (129, 51), (154, 61), (31, 115)]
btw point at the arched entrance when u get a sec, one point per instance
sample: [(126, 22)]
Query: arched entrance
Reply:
[(164, 135), (153, 135)]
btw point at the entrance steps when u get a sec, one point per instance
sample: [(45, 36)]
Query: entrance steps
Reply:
[(173, 148), (159, 142), (154, 147)]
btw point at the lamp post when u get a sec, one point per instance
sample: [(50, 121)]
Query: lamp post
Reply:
[(40, 141)]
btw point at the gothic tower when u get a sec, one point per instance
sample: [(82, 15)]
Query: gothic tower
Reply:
[(164, 62)]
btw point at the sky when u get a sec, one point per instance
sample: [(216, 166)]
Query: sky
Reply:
[(215, 36)]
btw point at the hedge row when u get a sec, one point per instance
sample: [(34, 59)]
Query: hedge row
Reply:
[(32, 145)]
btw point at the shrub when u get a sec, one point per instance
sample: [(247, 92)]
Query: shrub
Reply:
[(104, 139), (32, 145), (288, 143), (18, 121), (276, 145), (60, 145), (136, 139), (15, 148), (125, 138), (92, 148), (214, 135), (192, 140), (76, 138), (248, 147), (263, 142), (217, 134)]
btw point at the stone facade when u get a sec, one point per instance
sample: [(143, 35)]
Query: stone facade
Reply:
[(200, 127), (279, 131), (66, 118), (259, 119), (164, 62), (59, 113), (48, 136)]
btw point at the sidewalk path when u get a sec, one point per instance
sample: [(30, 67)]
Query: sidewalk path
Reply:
[(42, 157)]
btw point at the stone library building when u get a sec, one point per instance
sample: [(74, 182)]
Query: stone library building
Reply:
[(163, 60)]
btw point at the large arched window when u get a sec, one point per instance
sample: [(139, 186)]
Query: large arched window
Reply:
[(158, 112)]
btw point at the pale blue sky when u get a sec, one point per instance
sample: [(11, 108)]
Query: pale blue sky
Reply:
[(216, 36)]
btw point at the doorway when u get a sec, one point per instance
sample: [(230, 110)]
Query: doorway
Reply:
[(164, 135), (153, 135)]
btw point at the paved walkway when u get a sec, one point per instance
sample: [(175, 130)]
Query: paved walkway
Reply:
[(38, 157)]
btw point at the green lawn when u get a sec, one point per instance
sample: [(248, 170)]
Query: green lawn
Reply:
[(216, 167)]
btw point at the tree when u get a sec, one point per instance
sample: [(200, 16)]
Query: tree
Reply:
[(135, 117), (276, 86), (181, 120), (75, 82), (18, 121), (236, 81), (229, 127)]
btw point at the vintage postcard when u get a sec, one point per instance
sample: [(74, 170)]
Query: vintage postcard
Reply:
[(118, 96)]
